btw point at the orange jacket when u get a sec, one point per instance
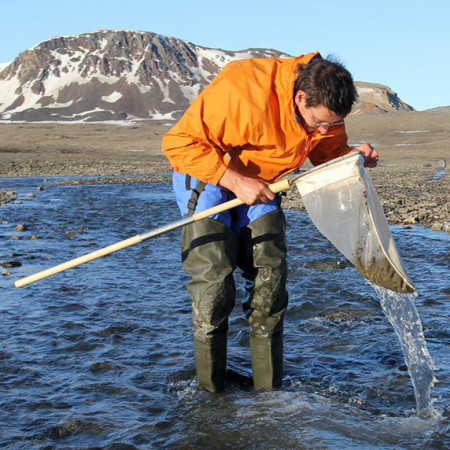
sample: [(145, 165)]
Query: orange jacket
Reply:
[(245, 120)]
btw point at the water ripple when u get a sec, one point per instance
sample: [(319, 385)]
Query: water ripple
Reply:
[(102, 357)]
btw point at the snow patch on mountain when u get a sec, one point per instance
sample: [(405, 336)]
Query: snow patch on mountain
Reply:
[(113, 97)]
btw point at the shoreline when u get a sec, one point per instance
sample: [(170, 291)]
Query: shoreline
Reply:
[(426, 204), (411, 180)]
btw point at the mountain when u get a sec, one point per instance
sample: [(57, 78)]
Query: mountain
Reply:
[(119, 75), (376, 98)]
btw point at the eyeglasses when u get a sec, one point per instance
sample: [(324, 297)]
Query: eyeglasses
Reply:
[(328, 124)]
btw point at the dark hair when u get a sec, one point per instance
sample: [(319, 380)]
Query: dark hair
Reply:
[(326, 82)]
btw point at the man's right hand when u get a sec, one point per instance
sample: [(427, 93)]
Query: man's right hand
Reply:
[(250, 190)]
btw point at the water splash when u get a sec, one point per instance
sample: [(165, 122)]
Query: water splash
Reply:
[(404, 318)]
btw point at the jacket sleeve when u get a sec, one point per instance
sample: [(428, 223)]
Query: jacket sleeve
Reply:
[(198, 144), (190, 154), (330, 147), (191, 147)]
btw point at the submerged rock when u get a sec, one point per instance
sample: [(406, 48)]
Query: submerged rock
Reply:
[(327, 264), (21, 227), (7, 196), (348, 315), (10, 263)]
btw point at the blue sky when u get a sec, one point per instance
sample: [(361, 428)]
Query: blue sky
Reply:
[(404, 44)]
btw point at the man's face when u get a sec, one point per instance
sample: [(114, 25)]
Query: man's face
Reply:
[(316, 118)]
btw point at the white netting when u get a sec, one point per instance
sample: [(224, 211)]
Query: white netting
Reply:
[(343, 204)]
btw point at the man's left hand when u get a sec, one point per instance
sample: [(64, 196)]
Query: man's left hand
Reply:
[(370, 154)]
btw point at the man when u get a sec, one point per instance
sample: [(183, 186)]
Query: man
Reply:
[(257, 121)]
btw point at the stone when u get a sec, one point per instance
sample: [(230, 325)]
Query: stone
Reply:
[(409, 219), (10, 263)]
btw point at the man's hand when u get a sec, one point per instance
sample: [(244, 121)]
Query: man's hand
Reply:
[(370, 154), (250, 190)]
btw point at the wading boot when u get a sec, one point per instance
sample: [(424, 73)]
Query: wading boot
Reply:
[(210, 362), (265, 269), (209, 257), (267, 359)]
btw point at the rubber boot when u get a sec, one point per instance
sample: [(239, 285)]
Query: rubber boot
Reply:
[(210, 362), (209, 257), (267, 360), (265, 269)]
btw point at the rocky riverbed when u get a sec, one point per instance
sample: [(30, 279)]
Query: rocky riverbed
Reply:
[(409, 195)]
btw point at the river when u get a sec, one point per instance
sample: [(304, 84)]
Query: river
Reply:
[(101, 356)]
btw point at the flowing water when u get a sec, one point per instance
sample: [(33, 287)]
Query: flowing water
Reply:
[(101, 356), (404, 318)]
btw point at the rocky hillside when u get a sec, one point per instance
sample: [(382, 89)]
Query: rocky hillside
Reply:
[(119, 75), (376, 98)]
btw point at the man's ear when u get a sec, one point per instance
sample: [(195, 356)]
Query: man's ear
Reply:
[(299, 96)]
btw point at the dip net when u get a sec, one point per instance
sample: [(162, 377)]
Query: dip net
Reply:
[(343, 204)]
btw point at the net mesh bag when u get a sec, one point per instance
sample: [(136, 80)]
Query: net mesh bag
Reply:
[(343, 204)]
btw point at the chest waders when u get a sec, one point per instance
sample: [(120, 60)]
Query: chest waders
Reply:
[(211, 251)]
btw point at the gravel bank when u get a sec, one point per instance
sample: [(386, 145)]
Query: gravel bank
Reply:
[(411, 180), (409, 194)]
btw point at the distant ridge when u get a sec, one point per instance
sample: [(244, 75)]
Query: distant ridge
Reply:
[(440, 109), (377, 98), (121, 75)]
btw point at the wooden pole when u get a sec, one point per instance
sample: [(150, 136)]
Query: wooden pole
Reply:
[(275, 187)]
